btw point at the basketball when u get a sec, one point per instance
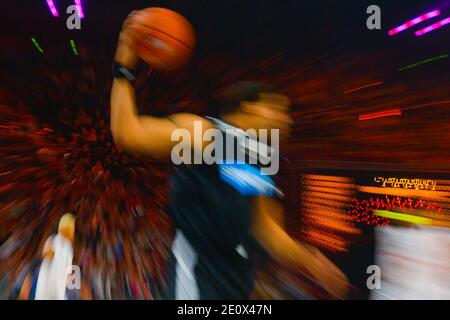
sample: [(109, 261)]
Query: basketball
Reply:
[(162, 38)]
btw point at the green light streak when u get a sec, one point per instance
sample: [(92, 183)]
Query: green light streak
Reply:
[(403, 217), (74, 49), (444, 56), (36, 44)]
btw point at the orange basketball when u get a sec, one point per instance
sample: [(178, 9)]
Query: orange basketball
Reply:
[(162, 38)]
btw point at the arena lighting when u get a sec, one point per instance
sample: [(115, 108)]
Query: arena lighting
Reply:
[(381, 114), (74, 49), (442, 56), (433, 27), (414, 21), (52, 8), (426, 105), (424, 194), (54, 12), (364, 86), (36, 44), (402, 203), (403, 217), (418, 184), (324, 218), (79, 9)]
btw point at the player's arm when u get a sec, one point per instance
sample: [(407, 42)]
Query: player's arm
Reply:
[(48, 251), (271, 235), (24, 293), (145, 135), (134, 133)]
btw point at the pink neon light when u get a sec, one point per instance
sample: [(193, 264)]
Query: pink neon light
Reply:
[(433, 27), (79, 8), (414, 21), (52, 8)]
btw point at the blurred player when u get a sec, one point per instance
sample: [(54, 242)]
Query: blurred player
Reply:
[(217, 214), (57, 262)]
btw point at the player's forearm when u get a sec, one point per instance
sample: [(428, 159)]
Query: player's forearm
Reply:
[(280, 245), (26, 287), (123, 110), (270, 233)]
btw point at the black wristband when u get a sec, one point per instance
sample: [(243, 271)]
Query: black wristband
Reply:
[(122, 72)]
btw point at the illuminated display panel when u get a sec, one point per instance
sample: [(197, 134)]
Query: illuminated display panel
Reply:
[(350, 210), (324, 201), (418, 184), (336, 206)]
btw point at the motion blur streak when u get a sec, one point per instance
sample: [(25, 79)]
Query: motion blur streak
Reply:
[(381, 114), (434, 26), (414, 21), (441, 57), (52, 8), (79, 9), (415, 263), (403, 217), (36, 44), (364, 87)]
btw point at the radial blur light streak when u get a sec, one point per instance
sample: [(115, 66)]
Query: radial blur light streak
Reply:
[(380, 114), (427, 105), (63, 158), (403, 217), (434, 26), (79, 9), (52, 8), (414, 21), (364, 87), (74, 48), (441, 57), (36, 44)]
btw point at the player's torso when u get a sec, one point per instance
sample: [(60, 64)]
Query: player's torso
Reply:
[(212, 206), (212, 214)]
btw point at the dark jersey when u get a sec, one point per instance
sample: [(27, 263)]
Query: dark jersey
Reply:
[(211, 205)]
